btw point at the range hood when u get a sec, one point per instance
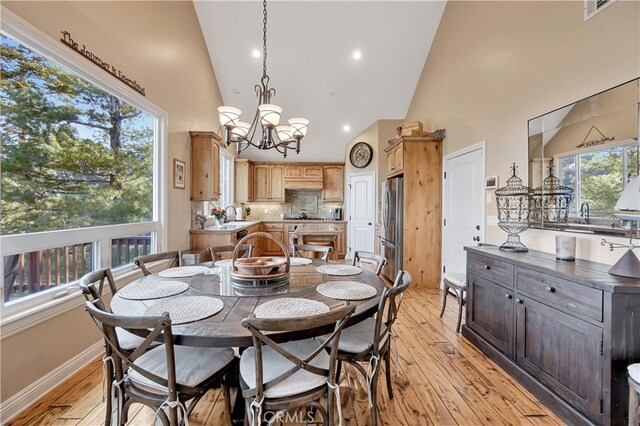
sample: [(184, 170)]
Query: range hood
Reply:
[(302, 184)]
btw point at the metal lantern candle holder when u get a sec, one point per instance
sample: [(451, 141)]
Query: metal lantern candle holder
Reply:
[(550, 204), (513, 211)]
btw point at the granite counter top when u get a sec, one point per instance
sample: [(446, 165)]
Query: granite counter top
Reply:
[(233, 227)]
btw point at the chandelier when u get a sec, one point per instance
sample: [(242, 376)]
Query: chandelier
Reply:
[(266, 118)]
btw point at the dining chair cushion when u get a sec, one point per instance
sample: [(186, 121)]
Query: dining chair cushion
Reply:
[(129, 341), (356, 338), (456, 278), (194, 365), (275, 365)]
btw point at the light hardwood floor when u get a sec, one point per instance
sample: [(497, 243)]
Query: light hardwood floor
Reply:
[(443, 380)]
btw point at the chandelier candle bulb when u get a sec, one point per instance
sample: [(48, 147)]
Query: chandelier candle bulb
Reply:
[(242, 129), (270, 115), (229, 116), (299, 127)]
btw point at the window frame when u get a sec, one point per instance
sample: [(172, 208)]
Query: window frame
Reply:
[(58, 300), (575, 154), (223, 156)]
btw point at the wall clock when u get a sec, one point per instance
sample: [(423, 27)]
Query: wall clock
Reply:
[(361, 155)]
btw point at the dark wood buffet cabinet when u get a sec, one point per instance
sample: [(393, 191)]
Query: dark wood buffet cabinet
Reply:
[(565, 330)]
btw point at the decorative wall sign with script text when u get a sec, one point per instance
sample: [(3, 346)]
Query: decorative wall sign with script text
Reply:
[(67, 40)]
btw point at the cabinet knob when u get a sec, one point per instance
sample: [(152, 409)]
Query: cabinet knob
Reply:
[(550, 289), (477, 227), (519, 300), (487, 267), (508, 296)]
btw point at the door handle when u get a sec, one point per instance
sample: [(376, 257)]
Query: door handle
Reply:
[(477, 227), (369, 223)]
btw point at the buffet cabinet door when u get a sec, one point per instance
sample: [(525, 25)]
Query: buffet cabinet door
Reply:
[(491, 313), (563, 352)]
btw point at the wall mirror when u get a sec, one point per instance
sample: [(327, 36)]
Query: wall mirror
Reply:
[(591, 147)]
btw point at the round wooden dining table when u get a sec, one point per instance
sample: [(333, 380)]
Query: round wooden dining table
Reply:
[(224, 329)]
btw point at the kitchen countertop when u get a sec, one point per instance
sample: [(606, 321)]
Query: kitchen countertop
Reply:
[(233, 227), (318, 229)]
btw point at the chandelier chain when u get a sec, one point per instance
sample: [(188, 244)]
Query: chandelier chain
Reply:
[(264, 39)]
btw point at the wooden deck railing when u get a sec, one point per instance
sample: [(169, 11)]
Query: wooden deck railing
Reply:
[(33, 272)]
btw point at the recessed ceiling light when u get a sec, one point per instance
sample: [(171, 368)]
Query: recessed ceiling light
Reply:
[(255, 53), (346, 128), (357, 55), (236, 91), (332, 93)]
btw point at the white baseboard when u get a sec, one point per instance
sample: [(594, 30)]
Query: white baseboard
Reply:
[(36, 390)]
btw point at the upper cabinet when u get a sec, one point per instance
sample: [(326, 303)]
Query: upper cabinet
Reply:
[(302, 176), (395, 158), (268, 182), (205, 166), (333, 184), (244, 183)]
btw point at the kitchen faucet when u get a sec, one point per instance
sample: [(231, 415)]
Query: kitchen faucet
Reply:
[(226, 216), (584, 212)]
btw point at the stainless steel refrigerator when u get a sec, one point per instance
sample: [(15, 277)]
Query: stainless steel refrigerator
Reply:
[(391, 231)]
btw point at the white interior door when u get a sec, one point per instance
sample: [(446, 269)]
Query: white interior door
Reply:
[(463, 207), (362, 212)]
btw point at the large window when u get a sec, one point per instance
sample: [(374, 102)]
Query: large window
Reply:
[(79, 173), (226, 175), (598, 176)]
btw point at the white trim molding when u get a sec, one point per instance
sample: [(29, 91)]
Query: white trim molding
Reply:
[(22, 400)]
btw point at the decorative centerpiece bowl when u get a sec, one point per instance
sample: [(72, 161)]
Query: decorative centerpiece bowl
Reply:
[(254, 271), (259, 265)]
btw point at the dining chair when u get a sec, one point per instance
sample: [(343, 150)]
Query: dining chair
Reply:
[(246, 250), (279, 377), (128, 341), (369, 341), (379, 261), (165, 377), (457, 282), (174, 256), (324, 251)]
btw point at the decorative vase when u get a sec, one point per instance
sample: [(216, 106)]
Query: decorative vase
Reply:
[(218, 222), (513, 211)]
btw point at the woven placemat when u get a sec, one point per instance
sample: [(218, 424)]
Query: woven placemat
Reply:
[(187, 309), (338, 269), (346, 290), (298, 261), (183, 271), (143, 290), (224, 262), (290, 307)]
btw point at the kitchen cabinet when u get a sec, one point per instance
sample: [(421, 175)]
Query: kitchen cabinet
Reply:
[(341, 241), (395, 158), (276, 230), (565, 330), (333, 184), (244, 185), (258, 242), (302, 172), (418, 159), (268, 182), (205, 166)]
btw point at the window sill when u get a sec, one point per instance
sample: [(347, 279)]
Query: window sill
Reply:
[(18, 322)]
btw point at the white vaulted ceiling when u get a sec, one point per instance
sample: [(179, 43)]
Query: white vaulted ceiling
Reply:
[(310, 47)]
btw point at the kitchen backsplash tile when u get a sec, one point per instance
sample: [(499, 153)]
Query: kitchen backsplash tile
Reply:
[(295, 201)]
